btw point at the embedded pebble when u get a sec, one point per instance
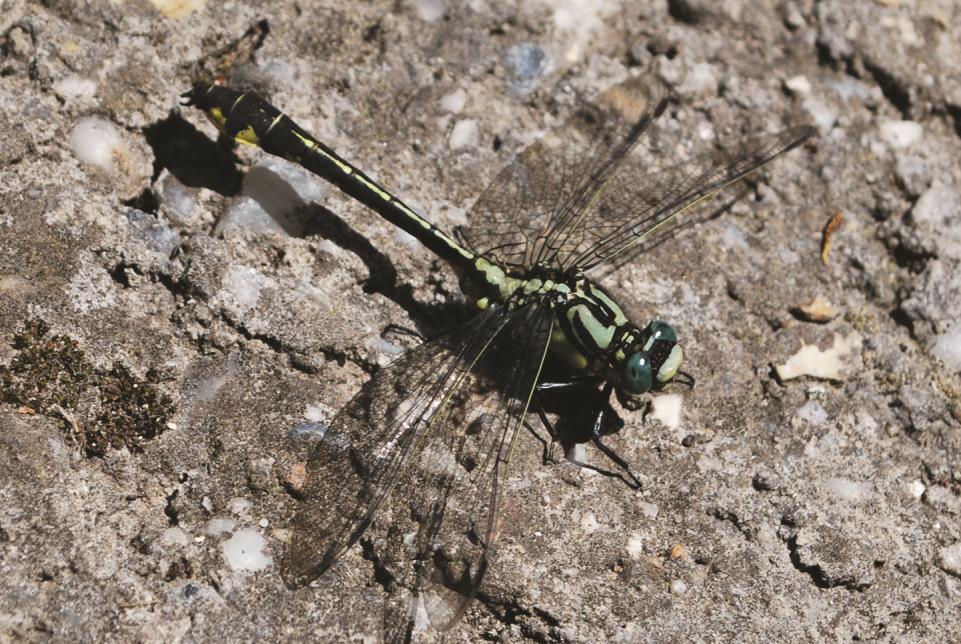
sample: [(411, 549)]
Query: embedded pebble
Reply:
[(454, 102), (589, 523), (74, 87), (901, 134), (949, 559), (847, 490), (464, 135), (678, 587), (526, 63), (912, 173), (220, 525), (699, 82), (823, 114), (916, 488), (812, 413), (666, 408), (811, 361), (817, 310), (308, 430), (936, 206), (157, 235), (240, 506), (178, 199), (272, 197), (947, 349), (246, 551), (174, 537), (240, 289), (95, 141), (430, 10), (177, 8), (635, 546), (798, 85)]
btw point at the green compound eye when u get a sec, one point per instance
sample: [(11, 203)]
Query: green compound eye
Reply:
[(661, 330), (637, 377)]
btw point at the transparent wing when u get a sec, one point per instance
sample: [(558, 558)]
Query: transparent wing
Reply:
[(456, 482), (637, 203), (371, 440), (523, 216)]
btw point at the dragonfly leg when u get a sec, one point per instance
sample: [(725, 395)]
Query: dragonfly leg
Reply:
[(600, 409), (548, 426)]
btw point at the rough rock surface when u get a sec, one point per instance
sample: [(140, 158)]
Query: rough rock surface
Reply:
[(171, 335)]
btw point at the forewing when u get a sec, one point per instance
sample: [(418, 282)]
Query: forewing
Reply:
[(638, 203), (456, 484), (371, 440), (523, 215)]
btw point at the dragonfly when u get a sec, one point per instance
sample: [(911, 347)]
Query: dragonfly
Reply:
[(427, 442)]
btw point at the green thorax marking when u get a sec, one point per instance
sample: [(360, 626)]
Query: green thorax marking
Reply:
[(591, 333)]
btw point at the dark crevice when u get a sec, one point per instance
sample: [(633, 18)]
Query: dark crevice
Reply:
[(825, 56), (894, 90), (733, 519), (954, 111), (685, 11), (816, 573), (511, 613), (119, 275), (169, 510), (146, 201), (901, 317)]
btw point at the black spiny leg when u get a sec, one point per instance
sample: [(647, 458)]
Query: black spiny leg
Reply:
[(600, 409), (598, 413), (542, 413)]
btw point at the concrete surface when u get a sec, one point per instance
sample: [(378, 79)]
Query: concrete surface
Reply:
[(172, 331)]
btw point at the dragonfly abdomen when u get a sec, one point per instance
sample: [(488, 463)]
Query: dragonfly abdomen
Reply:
[(248, 118)]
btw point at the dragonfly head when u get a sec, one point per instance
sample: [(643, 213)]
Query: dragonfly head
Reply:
[(654, 360)]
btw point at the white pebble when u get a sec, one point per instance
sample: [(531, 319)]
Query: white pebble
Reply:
[(173, 537), (74, 87), (901, 134), (798, 85), (220, 525), (678, 587), (454, 102), (847, 490), (916, 488), (464, 135), (240, 506), (950, 559), (824, 116), (811, 361), (812, 413), (667, 409), (589, 523), (635, 546), (431, 10), (936, 206), (245, 551), (947, 349), (95, 141), (649, 510)]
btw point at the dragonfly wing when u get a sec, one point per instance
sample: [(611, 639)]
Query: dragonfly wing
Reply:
[(639, 203), (523, 216), (456, 484), (370, 442)]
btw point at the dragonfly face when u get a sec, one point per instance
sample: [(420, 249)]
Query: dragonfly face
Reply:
[(654, 362)]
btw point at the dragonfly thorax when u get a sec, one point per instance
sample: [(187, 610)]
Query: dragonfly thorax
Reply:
[(593, 336)]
